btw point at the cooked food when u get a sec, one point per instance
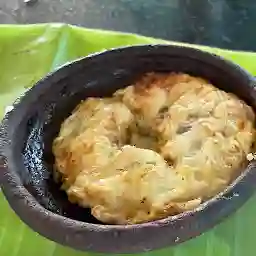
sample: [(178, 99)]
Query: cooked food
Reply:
[(156, 148)]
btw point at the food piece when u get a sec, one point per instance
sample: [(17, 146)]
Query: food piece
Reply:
[(132, 188), (156, 148), (90, 136)]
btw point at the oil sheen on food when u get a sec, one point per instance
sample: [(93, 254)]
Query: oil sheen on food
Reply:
[(159, 147)]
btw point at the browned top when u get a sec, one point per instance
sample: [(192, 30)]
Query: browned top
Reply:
[(156, 148)]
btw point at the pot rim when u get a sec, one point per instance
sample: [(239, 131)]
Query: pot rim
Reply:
[(10, 180)]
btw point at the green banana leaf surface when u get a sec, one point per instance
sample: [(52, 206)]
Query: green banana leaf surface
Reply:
[(27, 53)]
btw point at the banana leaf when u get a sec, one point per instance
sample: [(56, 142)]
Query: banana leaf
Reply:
[(27, 53)]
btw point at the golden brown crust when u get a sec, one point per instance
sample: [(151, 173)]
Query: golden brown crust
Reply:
[(188, 140)]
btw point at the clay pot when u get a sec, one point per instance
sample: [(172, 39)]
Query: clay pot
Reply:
[(28, 130)]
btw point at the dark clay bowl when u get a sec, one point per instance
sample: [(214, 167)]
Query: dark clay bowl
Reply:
[(27, 133)]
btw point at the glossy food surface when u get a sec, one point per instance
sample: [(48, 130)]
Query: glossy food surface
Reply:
[(156, 148)]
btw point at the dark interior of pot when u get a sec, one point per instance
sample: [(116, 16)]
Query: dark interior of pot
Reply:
[(100, 76)]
